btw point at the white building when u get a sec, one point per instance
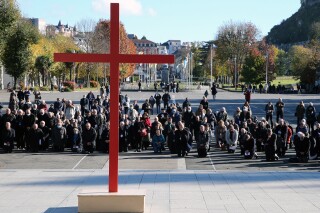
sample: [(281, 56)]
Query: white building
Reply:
[(172, 45), (40, 24), (162, 50)]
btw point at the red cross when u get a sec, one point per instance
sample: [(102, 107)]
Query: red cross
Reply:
[(114, 58)]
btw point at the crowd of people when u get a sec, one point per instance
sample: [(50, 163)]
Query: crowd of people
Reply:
[(37, 126)]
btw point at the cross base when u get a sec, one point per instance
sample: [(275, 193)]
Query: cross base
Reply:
[(103, 201)]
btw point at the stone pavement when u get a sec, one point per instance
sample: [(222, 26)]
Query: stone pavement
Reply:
[(174, 191)]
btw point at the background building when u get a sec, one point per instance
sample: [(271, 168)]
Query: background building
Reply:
[(40, 24), (62, 29)]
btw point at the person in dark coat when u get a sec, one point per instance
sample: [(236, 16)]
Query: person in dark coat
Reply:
[(301, 144), (46, 133), (166, 98), (146, 107), (300, 111), (105, 139), (20, 129), (202, 142), (59, 137), (282, 131), (311, 116), (181, 139), (7, 138), (36, 138), (248, 146), (204, 102), (188, 117), (57, 105), (89, 136), (152, 102), (27, 94), (158, 97), (28, 120), (247, 95), (20, 95), (168, 132), (269, 112), (270, 146), (214, 91), (280, 109), (90, 96), (123, 136)]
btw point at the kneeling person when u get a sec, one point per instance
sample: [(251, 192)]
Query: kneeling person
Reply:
[(202, 142), (89, 136)]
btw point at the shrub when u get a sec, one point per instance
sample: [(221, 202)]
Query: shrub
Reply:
[(68, 89), (44, 88), (94, 84), (70, 84), (21, 85)]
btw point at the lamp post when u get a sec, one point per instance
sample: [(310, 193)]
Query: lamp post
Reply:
[(191, 80), (267, 61), (235, 72), (211, 49)]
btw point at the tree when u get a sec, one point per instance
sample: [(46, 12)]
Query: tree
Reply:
[(17, 54), (315, 31), (282, 63), (301, 58), (235, 41), (42, 64), (42, 59), (9, 15), (85, 29), (253, 68), (102, 43)]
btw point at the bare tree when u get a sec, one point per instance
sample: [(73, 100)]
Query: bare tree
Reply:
[(85, 39)]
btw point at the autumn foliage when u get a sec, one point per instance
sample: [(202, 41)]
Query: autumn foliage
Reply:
[(102, 45)]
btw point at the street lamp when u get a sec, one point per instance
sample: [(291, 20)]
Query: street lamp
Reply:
[(211, 48), (267, 61), (235, 72)]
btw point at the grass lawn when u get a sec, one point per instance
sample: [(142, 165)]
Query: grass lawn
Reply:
[(285, 80)]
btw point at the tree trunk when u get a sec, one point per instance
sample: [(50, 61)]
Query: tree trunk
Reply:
[(88, 80), (14, 83), (43, 78), (39, 80)]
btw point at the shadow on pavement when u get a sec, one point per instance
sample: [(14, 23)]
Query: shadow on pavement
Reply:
[(62, 210)]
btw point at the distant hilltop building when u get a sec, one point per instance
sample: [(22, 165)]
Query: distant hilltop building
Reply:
[(62, 29), (305, 3)]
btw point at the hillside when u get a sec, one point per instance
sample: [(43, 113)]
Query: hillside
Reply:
[(296, 28)]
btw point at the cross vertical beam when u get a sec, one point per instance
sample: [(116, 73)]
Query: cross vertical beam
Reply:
[(114, 58), (114, 98)]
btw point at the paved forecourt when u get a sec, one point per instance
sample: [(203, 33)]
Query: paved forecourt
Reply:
[(216, 159), (222, 182)]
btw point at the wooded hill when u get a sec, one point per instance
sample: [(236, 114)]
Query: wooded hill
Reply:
[(296, 28)]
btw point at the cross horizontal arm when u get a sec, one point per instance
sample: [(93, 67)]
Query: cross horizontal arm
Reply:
[(69, 57), (146, 59)]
